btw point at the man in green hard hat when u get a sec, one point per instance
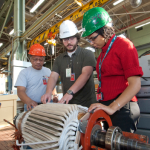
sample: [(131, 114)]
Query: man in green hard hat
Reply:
[(117, 69)]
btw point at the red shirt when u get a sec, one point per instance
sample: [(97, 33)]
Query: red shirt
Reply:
[(120, 63)]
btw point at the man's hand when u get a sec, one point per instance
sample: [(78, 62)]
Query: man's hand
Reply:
[(31, 104), (21, 91), (46, 98), (66, 98)]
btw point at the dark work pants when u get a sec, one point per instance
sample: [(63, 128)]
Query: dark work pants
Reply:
[(127, 117)]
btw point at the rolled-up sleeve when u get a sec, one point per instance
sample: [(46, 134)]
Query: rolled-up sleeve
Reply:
[(129, 60)]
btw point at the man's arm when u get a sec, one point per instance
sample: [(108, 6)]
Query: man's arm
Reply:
[(50, 86), (24, 98), (80, 82)]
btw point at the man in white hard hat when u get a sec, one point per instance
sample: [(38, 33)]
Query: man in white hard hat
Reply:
[(75, 67)]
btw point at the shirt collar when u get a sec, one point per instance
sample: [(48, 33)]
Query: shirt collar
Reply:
[(104, 49), (76, 52)]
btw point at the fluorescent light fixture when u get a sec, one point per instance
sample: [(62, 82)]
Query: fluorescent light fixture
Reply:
[(117, 2), (81, 30), (79, 3), (8, 53), (142, 25), (11, 32), (90, 48), (1, 44), (36, 5), (58, 15), (45, 43)]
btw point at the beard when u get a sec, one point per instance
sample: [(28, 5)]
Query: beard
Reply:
[(73, 47)]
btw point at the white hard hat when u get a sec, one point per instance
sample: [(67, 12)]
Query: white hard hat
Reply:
[(67, 29)]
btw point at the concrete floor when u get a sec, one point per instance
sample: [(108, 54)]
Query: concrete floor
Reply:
[(6, 140)]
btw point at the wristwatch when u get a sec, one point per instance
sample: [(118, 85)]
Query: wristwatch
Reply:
[(70, 92)]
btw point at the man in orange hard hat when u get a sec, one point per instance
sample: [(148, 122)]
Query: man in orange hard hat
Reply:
[(32, 82)]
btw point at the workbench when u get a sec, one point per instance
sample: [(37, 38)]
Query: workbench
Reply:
[(8, 108)]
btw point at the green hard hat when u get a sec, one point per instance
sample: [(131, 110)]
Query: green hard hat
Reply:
[(94, 19)]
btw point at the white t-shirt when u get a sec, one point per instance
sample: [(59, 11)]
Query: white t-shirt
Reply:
[(35, 82), (70, 53)]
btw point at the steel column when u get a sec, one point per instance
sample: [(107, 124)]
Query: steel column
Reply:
[(19, 29)]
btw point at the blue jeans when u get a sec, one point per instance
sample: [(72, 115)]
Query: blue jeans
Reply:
[(27, 147)]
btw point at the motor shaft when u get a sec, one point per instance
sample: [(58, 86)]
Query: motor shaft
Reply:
[(131, 144), (114, 140)]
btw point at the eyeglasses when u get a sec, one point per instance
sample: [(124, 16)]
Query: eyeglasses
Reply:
[(36, 59), (92, 38), (69, 38)]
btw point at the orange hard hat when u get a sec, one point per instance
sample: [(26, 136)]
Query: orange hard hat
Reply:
[(37, 50)]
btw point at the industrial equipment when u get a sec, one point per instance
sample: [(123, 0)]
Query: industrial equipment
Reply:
[(64, 127), (144, 102)]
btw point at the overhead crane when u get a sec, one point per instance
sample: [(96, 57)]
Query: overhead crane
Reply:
[(76, 16)]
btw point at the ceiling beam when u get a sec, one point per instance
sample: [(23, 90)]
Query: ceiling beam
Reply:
[(133, 10), (41, 20), (6, 17), (6, 4), (36, 25), (134, 25), (74, 16), (141, 14), (3, 40), (5, 51), (2, 19)]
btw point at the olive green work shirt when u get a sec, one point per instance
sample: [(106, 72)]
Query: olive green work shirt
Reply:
[(81, 58)]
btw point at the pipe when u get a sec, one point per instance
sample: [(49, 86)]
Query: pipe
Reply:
[(38, 23), (4, 7), (132, 25), (144, 12), (10, 123), (6, 18), (41, 142), (77, 14), (55, 145), (6, 34), (128, 12), (51, 62)]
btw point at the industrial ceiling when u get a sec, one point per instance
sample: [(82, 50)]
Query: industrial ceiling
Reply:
[(124, 16)]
